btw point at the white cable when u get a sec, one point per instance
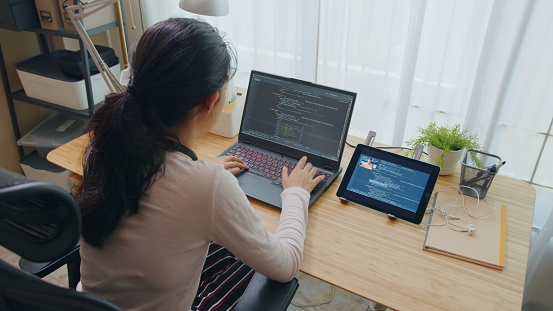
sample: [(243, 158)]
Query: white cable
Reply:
[(133, 26), (467, 212)]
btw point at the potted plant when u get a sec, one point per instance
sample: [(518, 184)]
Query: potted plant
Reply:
[(445, 144)]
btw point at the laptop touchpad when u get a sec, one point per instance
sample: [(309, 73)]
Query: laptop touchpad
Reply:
[(250, 183)]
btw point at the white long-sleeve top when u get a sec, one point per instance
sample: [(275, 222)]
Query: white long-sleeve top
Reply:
[(154, 259)]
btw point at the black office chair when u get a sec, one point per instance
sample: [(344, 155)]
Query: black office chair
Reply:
[(50, 226), (41, 222), (265, 294)]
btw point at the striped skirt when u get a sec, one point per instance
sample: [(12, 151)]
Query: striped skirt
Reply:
[(224, 279)]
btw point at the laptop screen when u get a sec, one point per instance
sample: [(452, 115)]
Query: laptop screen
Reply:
[(297, 117)]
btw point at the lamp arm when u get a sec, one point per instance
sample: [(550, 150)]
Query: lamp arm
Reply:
[(89, 8), (76, 13)]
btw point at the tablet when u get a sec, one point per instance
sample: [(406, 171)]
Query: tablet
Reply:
[(389, 182)]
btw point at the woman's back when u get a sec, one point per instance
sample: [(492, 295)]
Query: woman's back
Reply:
[(154, 259), (156, 256)]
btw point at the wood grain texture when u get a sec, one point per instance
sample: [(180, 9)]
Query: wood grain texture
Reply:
[(360, 250)]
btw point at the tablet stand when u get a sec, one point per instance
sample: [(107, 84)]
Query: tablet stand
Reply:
[(418, 152), (370, 138), (390, 216)]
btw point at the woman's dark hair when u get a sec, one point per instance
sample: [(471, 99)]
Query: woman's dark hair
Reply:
[(175, 66)]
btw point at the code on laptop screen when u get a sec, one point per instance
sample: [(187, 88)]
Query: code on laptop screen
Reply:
[(299, 115)]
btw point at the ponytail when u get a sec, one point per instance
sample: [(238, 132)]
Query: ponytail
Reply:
[(176, 65), (120, 164)]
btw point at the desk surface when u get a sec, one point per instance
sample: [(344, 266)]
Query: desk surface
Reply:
[(359, 250)]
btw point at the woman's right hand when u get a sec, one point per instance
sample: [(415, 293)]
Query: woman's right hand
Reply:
[(302, 176)]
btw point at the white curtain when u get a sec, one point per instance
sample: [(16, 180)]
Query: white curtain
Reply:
[(486, 64)]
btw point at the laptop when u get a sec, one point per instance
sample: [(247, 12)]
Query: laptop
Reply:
[(283, 120)]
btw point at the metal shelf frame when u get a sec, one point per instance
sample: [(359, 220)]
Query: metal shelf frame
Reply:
[(20, 96)]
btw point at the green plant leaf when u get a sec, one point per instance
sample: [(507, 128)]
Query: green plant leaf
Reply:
[(447, 138)]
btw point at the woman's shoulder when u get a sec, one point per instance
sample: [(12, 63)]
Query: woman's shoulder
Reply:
[(200, 174), (179, 164)]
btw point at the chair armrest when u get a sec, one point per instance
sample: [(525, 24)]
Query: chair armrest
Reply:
[(42, 269), (265, 294)]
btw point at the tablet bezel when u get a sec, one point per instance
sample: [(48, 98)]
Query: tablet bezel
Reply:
[(414, 217)]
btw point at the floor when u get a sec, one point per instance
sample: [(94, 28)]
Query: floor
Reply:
[(315, 295)]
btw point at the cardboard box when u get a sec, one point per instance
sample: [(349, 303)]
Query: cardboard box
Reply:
[(18, 15), (100, 18), (49, 14)]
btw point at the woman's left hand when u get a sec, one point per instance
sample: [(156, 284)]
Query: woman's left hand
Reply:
[(231, 163)]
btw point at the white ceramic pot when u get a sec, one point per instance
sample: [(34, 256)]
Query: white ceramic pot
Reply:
[(451, 159)]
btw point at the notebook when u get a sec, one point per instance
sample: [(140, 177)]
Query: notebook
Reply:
[(486, 246), (283, 120)]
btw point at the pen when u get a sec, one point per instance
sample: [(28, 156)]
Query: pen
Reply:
[(482, 176), (496, 167), (475, 177)]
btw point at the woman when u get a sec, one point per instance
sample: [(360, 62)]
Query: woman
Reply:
[(151, 209)]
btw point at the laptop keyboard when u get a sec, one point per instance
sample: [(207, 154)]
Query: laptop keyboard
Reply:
[(267, 166)]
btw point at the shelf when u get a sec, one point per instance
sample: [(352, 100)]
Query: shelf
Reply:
[(72, 34), (21, 96)]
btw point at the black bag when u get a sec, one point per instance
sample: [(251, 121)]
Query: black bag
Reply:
[(72, 65)]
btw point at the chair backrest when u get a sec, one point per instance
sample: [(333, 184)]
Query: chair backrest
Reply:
[(38, 220)]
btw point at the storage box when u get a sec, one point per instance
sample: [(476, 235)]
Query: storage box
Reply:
[(228, 124), (100, 18), (72, 63), (18, 14), (49, 14), (53, 132), (43, 79), (40, 169)]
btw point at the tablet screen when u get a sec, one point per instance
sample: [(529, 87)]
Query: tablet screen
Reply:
[(389, 182)]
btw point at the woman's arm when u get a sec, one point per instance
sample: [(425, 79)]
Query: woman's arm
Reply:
[(237, 227)]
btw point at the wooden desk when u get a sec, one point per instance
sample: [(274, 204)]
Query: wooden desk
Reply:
[(359, 250)]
